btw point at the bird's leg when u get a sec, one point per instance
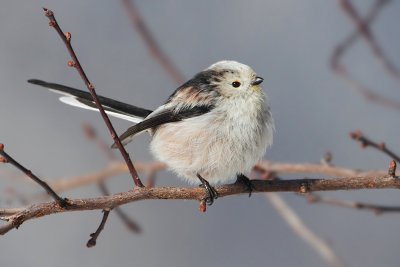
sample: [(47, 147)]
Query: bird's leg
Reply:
[(244, 180), (211, 192)]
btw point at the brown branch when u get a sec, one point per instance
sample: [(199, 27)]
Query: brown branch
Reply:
[(92, 241), (8, 159), (142, 193), (366, 142), (66, 38), (357, 205), (117, 168), (341, 70), (154, 48)]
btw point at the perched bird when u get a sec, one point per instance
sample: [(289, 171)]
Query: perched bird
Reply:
[(213, 128)]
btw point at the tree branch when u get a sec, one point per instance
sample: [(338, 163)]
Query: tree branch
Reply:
[(93, 236), (139, 193), (66, 38), (365, 142), (8, 159)]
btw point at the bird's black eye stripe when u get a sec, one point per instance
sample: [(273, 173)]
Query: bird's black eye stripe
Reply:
[(236, 84)]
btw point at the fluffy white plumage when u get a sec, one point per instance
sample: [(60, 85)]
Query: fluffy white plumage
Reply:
[(227, 141)]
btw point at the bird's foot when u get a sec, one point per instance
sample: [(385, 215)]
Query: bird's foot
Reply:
[(244, 180), (211, 192)]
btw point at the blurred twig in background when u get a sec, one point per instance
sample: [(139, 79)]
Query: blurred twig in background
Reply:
[(363, 30)]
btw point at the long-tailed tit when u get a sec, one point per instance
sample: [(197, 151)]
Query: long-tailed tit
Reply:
[(213, 128)]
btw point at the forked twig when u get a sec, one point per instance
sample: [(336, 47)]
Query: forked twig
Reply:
[(366, 142)]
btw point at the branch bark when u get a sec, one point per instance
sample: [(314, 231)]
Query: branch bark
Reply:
[(139, 193)]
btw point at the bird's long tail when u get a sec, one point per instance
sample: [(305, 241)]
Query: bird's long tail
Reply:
[(79, 98)]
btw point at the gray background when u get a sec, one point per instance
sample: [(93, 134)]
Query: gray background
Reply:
[(288, 42)]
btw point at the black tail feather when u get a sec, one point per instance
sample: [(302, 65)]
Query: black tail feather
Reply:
[(86, 98)]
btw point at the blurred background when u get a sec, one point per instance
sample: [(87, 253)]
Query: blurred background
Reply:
[(288, 42)]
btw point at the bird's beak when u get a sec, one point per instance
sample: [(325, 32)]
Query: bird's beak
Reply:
[(257, 81)]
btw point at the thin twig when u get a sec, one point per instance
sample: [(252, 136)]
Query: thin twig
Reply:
[(366, 142), (377, 209), (66, 38), (142, 193), (92, 241), (301, 229), (341, 70), (91, 134), (61, 201), (129, 223), (152, 45)]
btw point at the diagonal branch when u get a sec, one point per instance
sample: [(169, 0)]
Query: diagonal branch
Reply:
[(66, 38), (301, 229), (365, 142), (8, 159)]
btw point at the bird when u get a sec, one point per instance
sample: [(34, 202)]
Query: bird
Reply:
[(212, 129)]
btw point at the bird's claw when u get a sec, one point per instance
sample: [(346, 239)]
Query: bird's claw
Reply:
[(244, 180)]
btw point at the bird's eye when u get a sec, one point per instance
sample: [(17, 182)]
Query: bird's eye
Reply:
[(236, 84)]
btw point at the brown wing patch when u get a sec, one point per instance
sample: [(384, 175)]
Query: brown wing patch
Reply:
[(192, 96)]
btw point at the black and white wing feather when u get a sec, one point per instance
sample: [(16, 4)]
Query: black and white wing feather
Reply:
[(162, 116), (82, 99)]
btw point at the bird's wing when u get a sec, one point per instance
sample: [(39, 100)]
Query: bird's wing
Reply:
[(81, 99), (161, 116)]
